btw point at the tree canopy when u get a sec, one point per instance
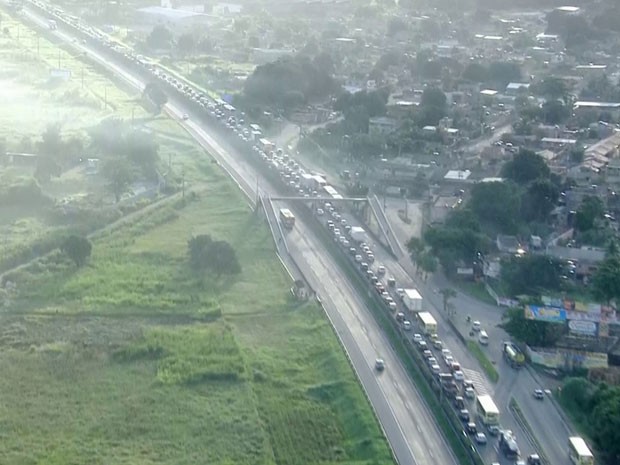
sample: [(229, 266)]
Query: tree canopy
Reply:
[(77, 248), (119, 176), (535, 333), (269, 83), (526, 166), (206, 254), (531, 274), (160, 37), (495, 204), (599, 407)]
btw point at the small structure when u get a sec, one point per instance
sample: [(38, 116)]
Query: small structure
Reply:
[(507, 244)]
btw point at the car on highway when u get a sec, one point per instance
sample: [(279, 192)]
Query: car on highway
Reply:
[(407, 325), (381, 270), (471, 428), (459, 376), (320, 211), (417, 338), (379, 364), (534, 459), (437, 344), (469, 393), (476, 325), (539, 394), (464, 414), (481, 438), (185, 117), (494, 430), (436, 369)]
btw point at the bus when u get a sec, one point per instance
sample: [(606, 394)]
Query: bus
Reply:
[(487, 410), (287, 218), (428, 323), (579, 452)]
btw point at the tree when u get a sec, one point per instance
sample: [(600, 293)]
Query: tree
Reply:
[(77, 248), (217, 256), (606, 280), (590, 210), (504, 72), (475, 72), (526, 166), (155, 94), (539, 200), (531, 274), (433, 97), (447, 294), (186, 43), (51, 141), (223, 258), (119, 176), (197, 250), (554, 112), (159, 38), (495, 203), (415, 246), (532, 332), (143, 151), (553, 88)]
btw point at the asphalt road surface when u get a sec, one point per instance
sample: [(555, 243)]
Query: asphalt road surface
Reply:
[(409, 426)]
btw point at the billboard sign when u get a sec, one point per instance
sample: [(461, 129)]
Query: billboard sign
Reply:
[(548, 314), (586, 328)]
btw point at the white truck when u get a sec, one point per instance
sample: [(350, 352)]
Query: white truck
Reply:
[(412, 300), (358, 234), (52, 24), (428, 323)]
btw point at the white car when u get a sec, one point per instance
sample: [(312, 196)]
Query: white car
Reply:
[(185, 117), (417, 337), (476, 325), (407, 325), (435, 368), (379, 364), (381, 270), (470, 393), (481, 438), (320, 212), (459, 376)]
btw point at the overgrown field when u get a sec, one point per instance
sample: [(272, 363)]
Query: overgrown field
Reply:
[(34, 96), (134, 359)]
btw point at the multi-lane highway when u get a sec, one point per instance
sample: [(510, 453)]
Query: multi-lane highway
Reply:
[(409, 426)]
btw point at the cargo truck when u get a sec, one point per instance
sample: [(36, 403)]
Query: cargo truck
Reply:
[(266, 145), (412, 300), (428, 323), (358, 234), (513, 355)]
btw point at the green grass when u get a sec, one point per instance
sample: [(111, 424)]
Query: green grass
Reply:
[(484, 361), (476, 290), (133, 359)]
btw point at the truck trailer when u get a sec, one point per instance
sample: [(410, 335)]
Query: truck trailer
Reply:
[(412, 300), (428, 323), (513, 355)]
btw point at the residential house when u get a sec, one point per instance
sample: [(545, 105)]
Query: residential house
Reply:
[(507, 244), (382, 125)]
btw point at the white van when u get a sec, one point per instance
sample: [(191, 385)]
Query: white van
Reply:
[(483, 338)]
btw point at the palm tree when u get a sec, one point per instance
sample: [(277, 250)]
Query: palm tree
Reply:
[(447, 293)]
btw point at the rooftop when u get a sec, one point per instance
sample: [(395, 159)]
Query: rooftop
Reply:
[(457, 175), (170, 13)]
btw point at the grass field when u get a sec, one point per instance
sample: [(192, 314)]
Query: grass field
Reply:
[(133, 359), (484, 361)]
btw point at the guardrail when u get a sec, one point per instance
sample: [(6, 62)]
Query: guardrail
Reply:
[(516, 410)]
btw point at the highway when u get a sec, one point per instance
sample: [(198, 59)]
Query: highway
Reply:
[(408, 424)]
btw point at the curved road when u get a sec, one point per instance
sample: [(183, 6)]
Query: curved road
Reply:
[(409, 426)]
